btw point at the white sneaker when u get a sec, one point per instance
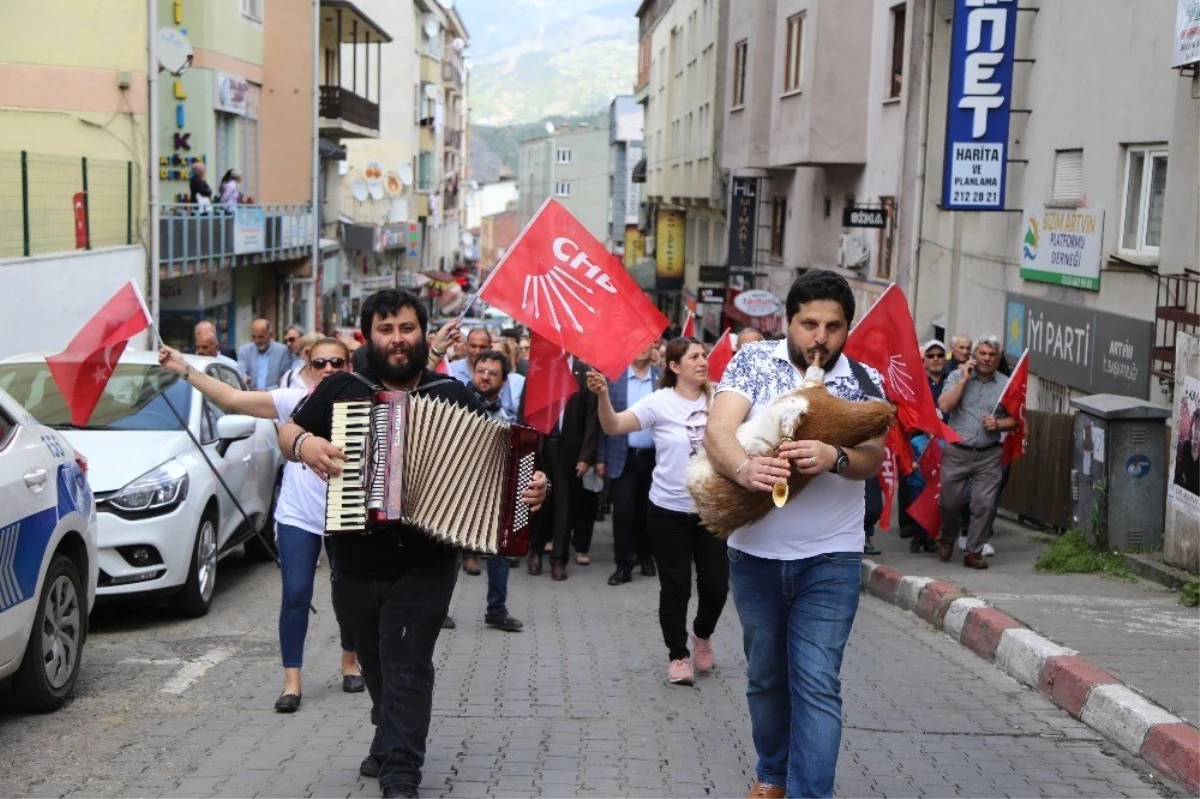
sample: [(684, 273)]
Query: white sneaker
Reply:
[(962, 543), (988, 550)]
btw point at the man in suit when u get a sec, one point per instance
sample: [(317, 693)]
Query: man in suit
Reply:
[(629, 463), (263, 359), (566, 455), (205, 329)]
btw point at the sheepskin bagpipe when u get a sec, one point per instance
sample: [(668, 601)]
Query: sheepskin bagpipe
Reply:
[(810, 413)]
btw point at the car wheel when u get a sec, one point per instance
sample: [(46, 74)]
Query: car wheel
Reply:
[(262, 546), (51, 663), (195, 598)]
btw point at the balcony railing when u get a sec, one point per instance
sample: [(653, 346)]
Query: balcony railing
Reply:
[(454, 139), (52, 203), (343, 104), (1177, 311), (194, 239)]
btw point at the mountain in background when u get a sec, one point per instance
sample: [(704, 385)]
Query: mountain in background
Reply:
[(538, 60)]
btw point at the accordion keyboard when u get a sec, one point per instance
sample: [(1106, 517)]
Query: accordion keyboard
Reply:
[(346, 498)]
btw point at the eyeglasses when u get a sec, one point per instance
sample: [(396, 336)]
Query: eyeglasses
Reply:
[(321, 363), (933, 356), (290, 339)]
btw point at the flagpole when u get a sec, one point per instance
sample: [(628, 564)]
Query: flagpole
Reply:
[(503, 260), (863, 318)]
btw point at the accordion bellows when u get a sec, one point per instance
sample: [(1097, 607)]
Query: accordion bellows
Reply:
[(443, 469)]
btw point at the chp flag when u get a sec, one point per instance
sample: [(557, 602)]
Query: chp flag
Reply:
[(549, 384), (689, 326), (1016, 441), (719, 358), (83, 369), (926, 509), (558, 280)]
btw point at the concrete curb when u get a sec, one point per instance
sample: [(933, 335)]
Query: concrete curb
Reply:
[(1087, 692)]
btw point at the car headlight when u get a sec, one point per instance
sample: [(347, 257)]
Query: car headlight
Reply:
[(158, 490)]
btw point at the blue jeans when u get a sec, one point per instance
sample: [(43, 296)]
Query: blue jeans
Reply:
[(497, 596), (396, 625), (298, 552), (796, 618)]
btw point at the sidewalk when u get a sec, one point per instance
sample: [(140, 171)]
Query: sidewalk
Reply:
[(1136, 630)]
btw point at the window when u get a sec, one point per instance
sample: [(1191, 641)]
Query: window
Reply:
[(677, 50), (1145, 188), (896, 75), (7, 426), (1068, 178), (701, 253), (562, 189), (792, 54), (252, 9), (563, 155), (739, 73), (778, 221)]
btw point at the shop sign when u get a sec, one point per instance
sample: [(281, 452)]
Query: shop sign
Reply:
[(980, 101), (706, 295), (669, 248), (1063, 246), (857, 216), (231, 93), (1187, 33), (249, 230), (1092, 351), (743, 224), (758, 302)]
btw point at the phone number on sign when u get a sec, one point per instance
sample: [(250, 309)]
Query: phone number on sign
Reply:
[(974, 196), (1076, 282)]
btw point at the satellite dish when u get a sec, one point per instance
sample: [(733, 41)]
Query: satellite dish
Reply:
[(174, 51), (406, 173), (376, 189), (431, 25), (359, 189), (446, 4), (392, 184), (550, 128), (458, 44), (431, 91), (343, 167)]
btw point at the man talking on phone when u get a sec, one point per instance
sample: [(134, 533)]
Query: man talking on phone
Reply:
[(971, 401)]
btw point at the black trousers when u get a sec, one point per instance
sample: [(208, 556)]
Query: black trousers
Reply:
[(395, 624), (570, 508), (679, 539), (631, 506)]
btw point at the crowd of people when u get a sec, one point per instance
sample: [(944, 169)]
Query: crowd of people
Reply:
[(620, 446)]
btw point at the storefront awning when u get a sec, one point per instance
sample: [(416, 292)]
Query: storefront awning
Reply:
[(639, 172)]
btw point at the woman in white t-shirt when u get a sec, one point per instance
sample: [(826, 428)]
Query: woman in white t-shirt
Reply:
[(676, 415), (299, 510)]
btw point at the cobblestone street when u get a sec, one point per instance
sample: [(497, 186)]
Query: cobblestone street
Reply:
[(577, 704)]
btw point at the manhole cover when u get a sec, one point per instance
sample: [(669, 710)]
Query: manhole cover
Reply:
[(240, 645)]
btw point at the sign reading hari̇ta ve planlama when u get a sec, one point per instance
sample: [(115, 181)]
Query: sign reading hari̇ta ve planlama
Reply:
[(980, 101)]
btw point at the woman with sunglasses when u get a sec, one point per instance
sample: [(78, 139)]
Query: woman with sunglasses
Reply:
[(676, 415), (299, 510)]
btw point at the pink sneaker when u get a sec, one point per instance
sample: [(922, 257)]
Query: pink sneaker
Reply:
[(680, 672), (702, 653)]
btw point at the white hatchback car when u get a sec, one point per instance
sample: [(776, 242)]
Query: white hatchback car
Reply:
[(48, 562), (165, 519)]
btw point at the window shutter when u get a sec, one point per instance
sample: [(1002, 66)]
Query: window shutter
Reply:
[(1068, 177)]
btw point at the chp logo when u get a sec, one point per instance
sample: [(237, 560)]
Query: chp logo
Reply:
[(571, 274)]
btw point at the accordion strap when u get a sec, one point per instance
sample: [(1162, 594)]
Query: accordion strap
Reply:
[(376, 387)]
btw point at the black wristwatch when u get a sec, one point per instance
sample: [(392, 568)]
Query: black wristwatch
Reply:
[(842, 463)]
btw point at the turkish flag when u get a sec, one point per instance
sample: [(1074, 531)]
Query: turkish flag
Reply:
[(1016, 441), (549, 383), (82, 370), (719, 358), (689, 325), (79, 206), (561, 283), (925, 510)]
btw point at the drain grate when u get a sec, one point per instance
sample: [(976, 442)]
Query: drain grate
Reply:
[(242, 645)]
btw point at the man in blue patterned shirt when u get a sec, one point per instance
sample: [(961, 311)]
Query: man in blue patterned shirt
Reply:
[(795, 573)]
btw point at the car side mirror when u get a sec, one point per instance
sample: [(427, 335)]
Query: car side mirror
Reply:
[(235, 427)]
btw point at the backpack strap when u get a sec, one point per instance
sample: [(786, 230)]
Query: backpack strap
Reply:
[(865, 383), (365, 381), (441, 381)]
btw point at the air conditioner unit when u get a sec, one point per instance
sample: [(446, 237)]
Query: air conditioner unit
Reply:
[(854, 251)]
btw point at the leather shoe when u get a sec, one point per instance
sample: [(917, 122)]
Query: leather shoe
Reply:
[(534, 565), (945, 549), (973, 560), (471, 564), (648, 568), (353, 683), (448, 624), (399, 792), (558, 571), (370, 766), (623, 574), (762, 790), (503, 621), (288, 703)]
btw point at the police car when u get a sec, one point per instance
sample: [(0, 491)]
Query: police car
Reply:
[(48, 565)]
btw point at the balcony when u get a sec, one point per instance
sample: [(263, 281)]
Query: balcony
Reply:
[(431, 70), (1177, 311), (347, 114), (453, 139), (348, 111), (195, 239)]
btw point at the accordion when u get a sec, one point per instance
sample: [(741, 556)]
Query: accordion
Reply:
[(432, 465)]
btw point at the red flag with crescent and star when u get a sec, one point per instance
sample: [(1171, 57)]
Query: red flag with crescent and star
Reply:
[(558, 280), (82, 370)]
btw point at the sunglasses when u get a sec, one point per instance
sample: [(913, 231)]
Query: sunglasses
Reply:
[(321, 363), (933, 356), (290, 340)]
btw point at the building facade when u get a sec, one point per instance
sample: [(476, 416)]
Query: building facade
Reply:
[(681, 87), (569, 165), (625, 121)]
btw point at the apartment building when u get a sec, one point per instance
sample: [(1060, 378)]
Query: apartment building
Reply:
[(625, 121), (681, 87), (571, 166)]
